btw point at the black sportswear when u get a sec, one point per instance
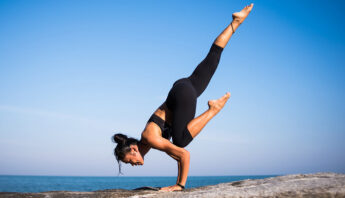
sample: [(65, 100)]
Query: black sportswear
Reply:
[(182, 99)]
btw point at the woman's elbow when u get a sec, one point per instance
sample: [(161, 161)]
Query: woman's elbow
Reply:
[(185, 155)]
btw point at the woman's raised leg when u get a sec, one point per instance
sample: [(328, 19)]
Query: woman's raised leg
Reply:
[(237, 19), (198, 123), (203, 73)]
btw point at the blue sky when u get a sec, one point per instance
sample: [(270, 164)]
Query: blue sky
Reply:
[(73, 73)]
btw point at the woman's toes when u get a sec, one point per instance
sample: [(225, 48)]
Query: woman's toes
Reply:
[(226, 96)]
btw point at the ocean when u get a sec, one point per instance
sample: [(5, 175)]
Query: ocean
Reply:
[(11, 183)]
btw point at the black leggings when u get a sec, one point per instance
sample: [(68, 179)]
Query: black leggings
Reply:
[(182, 97)]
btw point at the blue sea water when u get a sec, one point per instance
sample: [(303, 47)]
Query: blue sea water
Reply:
[(10, 183)]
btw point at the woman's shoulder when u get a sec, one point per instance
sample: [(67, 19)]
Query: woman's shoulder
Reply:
[(151, 130)]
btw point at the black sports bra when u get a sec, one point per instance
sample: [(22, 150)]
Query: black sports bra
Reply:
[(165, 127)]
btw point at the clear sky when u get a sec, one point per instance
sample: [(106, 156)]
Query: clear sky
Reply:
[(73, 73)]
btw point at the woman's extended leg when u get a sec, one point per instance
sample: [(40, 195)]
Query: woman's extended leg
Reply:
[(182, 97), (204, 71), (237, 19)]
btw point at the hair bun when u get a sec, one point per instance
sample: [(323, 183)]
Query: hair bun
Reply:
[(120, 138)]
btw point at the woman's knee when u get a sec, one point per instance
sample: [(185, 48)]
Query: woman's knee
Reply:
[(183, 139), (181, 143)]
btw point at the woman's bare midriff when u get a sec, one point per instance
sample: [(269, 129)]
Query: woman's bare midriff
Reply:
[(164, 113), (152, 128)]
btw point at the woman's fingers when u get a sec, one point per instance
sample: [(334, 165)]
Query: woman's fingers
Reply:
[(170, 188)]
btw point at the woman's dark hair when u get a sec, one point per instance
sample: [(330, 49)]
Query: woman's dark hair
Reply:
[(123, 146)]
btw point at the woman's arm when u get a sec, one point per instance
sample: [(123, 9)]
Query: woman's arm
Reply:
[(178, 168), (179, 154)]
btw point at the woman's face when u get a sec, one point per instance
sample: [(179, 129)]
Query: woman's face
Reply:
[(133, 157)]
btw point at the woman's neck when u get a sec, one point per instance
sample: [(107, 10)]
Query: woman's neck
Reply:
[(143, 148)]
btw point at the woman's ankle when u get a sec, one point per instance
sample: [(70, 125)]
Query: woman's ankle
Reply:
[(235, 24)]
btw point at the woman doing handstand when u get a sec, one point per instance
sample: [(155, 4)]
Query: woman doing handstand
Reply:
[(175, 117)]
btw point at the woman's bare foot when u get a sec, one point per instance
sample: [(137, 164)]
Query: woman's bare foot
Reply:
[(238, 17), (217, 105)]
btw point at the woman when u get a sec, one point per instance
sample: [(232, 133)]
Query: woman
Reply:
[(175, 117)]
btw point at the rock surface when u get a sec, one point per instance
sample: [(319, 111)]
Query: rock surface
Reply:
[(297, 185)]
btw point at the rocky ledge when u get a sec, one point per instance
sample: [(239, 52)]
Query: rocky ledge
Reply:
[(296, 185)]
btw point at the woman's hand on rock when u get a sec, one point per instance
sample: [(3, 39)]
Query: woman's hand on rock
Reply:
[(171, 188)]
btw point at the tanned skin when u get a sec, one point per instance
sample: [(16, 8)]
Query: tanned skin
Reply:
[(151, 137)]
